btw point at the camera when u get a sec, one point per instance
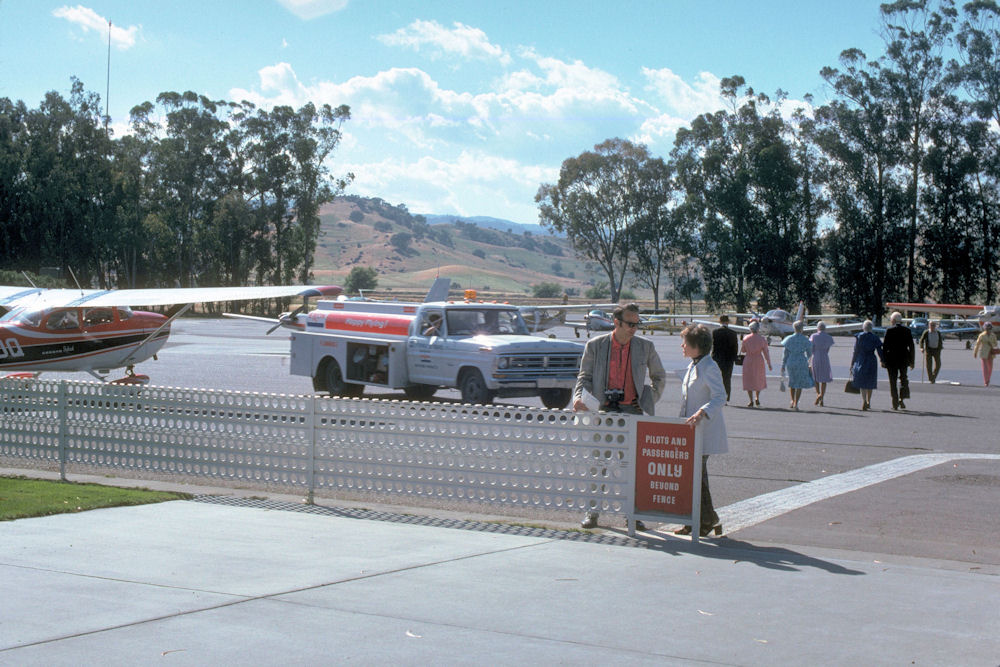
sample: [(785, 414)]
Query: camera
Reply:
[(613, 399)]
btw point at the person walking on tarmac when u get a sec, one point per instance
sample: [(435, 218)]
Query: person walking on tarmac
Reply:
[(931, 343), (725, 348), (897, 354), (613, 370)]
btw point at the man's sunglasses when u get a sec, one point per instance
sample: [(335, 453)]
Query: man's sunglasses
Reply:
[(631, 324)]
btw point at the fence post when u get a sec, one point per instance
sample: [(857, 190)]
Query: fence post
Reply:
[(311, 464), (62, 429)]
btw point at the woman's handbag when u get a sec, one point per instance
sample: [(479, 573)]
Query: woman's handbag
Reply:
[(850, 388), (740, 358)]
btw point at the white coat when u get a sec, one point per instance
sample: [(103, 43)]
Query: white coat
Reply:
[(702, 389)]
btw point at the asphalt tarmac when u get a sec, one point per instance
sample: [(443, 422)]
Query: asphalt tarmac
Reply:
[(851, 538)]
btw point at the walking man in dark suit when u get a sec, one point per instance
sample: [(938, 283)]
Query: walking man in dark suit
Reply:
[(898, 353), (725, 347)]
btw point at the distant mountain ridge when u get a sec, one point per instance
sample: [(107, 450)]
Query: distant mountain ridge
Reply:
[(486, 221)]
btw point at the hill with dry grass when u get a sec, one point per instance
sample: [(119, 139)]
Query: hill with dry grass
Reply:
[(358, 231)]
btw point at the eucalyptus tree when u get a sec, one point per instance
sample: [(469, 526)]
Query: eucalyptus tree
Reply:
[(915, 76), (14, 228), (660, 235), (978, 71), (740, 178), (288, 180), (64, 188), (867, 248), (951, 249), (597, 203), (188, 175)]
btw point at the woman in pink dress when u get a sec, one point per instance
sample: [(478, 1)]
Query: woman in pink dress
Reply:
[(754, 347)]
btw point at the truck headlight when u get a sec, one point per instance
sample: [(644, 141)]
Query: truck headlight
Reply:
[(503, 362)]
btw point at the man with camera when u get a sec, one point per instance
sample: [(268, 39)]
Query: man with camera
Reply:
[(613, 370)]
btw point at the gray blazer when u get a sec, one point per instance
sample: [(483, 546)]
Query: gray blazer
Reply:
[(702, 389), (594, 371)]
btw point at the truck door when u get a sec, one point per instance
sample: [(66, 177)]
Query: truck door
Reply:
[(425, 346)]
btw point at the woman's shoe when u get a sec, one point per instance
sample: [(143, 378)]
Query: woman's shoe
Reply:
[(750, 404), (757, 402), (707, 529), (819, 400), (865, 406), (686, 530)]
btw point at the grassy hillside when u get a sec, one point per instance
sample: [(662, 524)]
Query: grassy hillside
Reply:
[(357, 232)]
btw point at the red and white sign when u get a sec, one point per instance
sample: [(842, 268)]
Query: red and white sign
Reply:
[(664, 468)]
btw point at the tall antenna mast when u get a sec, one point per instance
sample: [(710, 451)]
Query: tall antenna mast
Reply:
[(107, 93)]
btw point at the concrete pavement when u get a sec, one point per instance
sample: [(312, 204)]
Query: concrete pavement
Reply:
[(258, 582)]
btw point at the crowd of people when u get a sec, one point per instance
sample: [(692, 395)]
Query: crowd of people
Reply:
[(615, 367)]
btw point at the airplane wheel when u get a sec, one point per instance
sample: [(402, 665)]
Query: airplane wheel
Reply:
[(556, 399), (474, 389)]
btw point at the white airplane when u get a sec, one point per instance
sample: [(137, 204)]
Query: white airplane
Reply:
[(778, 322), (984, 314), (95, 331)]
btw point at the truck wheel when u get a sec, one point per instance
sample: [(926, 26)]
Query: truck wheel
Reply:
[(474, 389), (556, 399), (419, 392), (335, 384)]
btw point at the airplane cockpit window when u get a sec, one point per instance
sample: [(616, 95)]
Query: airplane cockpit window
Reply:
[(63, 319), (96, 316), (31, 318), (124, 312)]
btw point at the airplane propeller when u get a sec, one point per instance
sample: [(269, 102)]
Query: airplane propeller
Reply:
[(287, 318)]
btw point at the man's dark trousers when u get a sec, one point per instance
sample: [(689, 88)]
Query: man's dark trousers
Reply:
[(901, 393)]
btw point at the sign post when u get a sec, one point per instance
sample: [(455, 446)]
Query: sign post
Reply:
[(667, 473)]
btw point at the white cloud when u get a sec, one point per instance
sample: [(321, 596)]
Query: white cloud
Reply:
[(485, 152), (311, 9), (686, 100), (88, 20), (474, 183), (461, 40)]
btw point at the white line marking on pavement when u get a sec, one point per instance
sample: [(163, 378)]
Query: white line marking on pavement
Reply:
[(765, 507)]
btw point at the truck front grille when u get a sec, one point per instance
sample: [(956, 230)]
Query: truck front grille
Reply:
[(542, 365)]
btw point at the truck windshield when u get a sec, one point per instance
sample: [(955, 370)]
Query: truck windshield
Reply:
[(486, 321)]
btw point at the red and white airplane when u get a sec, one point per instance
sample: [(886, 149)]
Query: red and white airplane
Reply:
[(95, 331), (967, 310)]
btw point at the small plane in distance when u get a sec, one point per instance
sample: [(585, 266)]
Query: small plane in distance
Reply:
[(983, 314), (778, 322), (95, 331)]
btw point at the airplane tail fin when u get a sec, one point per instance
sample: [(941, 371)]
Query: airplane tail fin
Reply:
[(439, 290), (800, 315)]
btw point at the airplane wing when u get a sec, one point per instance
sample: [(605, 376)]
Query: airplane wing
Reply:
[(715, 325), (943, 308), (11, 297), (835, 328)]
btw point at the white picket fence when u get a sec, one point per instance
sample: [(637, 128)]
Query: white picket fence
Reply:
[(495, 455)]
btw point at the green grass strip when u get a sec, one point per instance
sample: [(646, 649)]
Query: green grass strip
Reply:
[(21, 497)]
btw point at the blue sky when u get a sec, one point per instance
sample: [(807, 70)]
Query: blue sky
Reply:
[(460, 107)]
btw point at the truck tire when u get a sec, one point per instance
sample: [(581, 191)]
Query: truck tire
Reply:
[(556, 399), (474, 389), (419, 392), (334, 380)]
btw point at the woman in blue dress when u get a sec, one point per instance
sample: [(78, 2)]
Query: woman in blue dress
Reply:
[(822, 372), (864, 366), (795, 361)]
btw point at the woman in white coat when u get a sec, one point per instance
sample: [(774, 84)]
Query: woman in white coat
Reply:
[(702, 398)]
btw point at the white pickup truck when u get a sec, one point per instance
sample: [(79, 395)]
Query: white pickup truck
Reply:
[(483, 349)]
